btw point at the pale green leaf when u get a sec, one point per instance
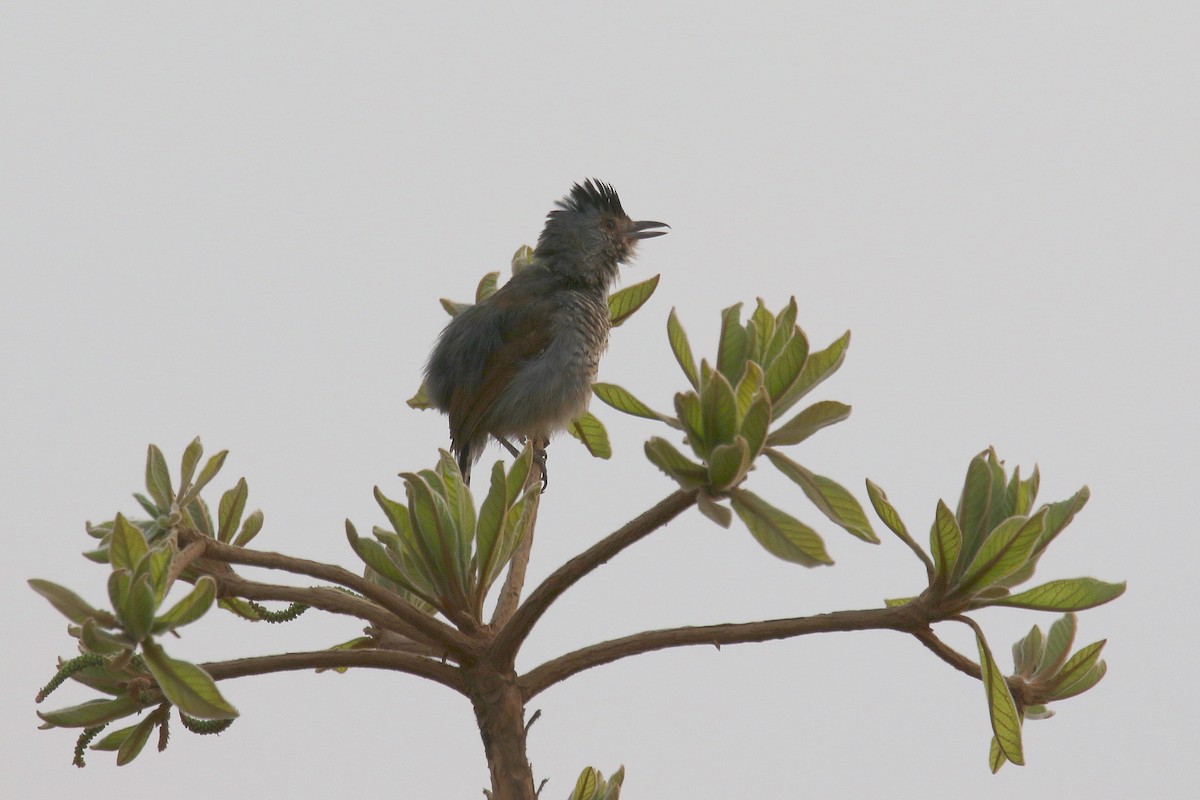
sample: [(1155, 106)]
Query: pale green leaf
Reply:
[(189, 688), (622, 304), (779, 533), (1071, 594), (682, 349)]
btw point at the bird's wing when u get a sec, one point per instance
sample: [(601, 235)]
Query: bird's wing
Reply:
[(524, 330)]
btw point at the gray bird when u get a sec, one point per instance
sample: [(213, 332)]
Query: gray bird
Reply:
[(521, 363)]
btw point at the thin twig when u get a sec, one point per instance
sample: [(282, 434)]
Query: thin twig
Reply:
[(902, 618), (510, 637), (426, 628), (327, 599), (336, 659)]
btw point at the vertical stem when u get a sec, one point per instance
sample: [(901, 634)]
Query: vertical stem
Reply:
[(514, 583), (500, 712)]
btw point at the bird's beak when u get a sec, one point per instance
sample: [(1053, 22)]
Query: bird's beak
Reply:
[(640, 230)]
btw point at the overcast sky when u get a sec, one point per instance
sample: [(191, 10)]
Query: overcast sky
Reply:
[(235, 220)]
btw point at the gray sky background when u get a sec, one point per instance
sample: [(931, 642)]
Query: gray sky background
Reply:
[(235, 221)]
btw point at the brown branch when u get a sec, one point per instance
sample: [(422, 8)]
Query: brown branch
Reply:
[(336, 659), (327, 599), (948, 654), (902, 618), (514, 582), (183, 560), (510, 637), (425, 628)]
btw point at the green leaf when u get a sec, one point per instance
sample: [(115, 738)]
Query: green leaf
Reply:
[(755, 423), (194, 605), (442, 546), (1005, 550), (114, 740), (1085, 681), (590, 430), (1028, 652), (1059, 515), (780, 534), (687, 473), (996, 758), (211, 468), (187, 467), (158, 479), (491, 520), (785, 369), (136, 611), (886, 511), (622, 304), (229, 513), (487, 286), (197, 512), (895, 602), (127, 546), (734, 344), (819, 415), (1006, 724), (1076, 668), (783, 325), (453, 308), (521, 259), (718, 410), (817, 367), (748, 387), (518, 473), (132, 746), (381, 561), (728, 464), (585, 786), (682, 349), (69, 604), (830, 497), (250, 528), (972, 512), (91, 713), (623, 401), (714, 510), (945, 540), (687, 406), (189, 688), (1073, 594), (1058, 645), (763, 321), (420, 400)]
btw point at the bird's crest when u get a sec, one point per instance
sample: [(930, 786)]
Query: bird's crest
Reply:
[(592, 194)]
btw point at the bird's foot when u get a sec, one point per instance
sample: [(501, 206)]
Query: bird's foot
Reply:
[(539, 455)]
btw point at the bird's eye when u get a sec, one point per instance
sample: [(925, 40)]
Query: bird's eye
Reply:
[(609, 224)]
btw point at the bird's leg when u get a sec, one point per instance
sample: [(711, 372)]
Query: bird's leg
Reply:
[(514, 452)]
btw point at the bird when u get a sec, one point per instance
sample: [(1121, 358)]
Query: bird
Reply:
[(520, 364)]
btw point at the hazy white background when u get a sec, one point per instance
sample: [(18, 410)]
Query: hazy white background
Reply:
[(235, 220)]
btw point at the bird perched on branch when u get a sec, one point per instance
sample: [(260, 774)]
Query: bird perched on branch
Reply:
[(521, 363)]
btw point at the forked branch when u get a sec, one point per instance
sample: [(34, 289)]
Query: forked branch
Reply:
[(510, 637)]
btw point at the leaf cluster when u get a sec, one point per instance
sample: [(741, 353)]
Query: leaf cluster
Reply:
[(732, 414), (121, 657), (439, 553), (990, 544)]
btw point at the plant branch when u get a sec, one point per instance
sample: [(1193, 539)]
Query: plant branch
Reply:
[(327, 599), (337, 659), (902, 618), (948, 654), (510, 637), (418, 625), (514, 582)]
